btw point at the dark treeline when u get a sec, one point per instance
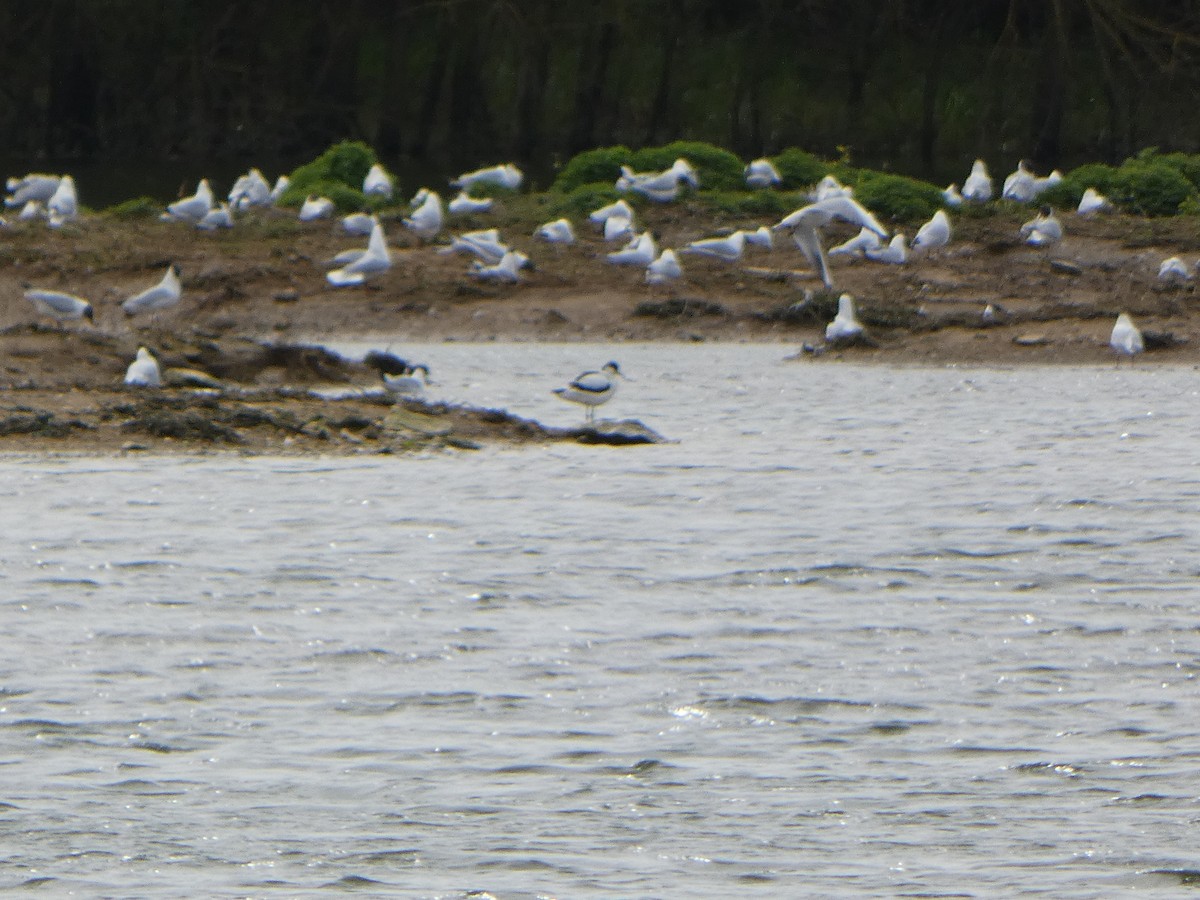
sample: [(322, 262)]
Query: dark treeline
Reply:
[(920, 83)]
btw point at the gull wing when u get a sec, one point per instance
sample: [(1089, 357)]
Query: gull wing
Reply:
[(809, 242)]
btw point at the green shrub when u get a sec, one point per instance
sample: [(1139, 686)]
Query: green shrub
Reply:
[(799, 168), (137, 208), (1187, 164), (344, 197), (1147, 184), (1068, 191), (1150, 188), (345, 164), (719, 169), (895, 197), (593, 166), (586, 198)]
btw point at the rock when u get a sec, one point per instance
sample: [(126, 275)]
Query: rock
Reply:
[(626, 431), (1030, 340), (288, 295)]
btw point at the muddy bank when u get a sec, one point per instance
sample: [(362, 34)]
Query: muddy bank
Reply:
[(242, 396), (255, 301)]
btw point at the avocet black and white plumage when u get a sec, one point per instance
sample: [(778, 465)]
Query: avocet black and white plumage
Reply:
[(591, 389)]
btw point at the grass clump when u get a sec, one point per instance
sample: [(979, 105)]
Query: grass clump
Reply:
[(895, 197), (799, 168), (137, 208), (1147, 184), (337, 173), (591, 167)]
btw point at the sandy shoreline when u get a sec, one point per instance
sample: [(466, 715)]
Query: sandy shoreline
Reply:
[(252, 294)]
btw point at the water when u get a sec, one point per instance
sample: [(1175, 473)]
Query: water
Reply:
[(860, 632)]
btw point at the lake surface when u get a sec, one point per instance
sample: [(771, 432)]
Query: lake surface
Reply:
[(860, 631)]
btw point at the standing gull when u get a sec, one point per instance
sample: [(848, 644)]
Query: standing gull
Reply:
[(163, 295), (1126, 339)]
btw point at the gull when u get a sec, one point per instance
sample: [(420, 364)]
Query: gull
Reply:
[(806, 222), (641, 251), (281, 185), (830, 187), (194, 208), (895, 252), (143, 371), (465, 204), (426, 220), (618, 209), (1019, 185), (866, 239), (64, 205), (662, 187), (376, 258), (988, 316), (1093, 201), (1126, 338), (1173, 269), (1044, 230), (486, 245), (592, 388), (727, 249), (617, 228), (557, 232), (163, 295), (249, 190), (978, 186), (359, 223), (33, 209), (934, 233), (845, 324), (60, 306), (1040, 185), (221, 217), (407, 383), (506, 176), (507, 270), (951, 195), (762, 174), (665, 268), (760, 237), (418, 198), (32, 187), (377, 183), (315, 208)]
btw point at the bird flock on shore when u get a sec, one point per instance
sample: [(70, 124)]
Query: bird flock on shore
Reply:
[(54, 200)]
